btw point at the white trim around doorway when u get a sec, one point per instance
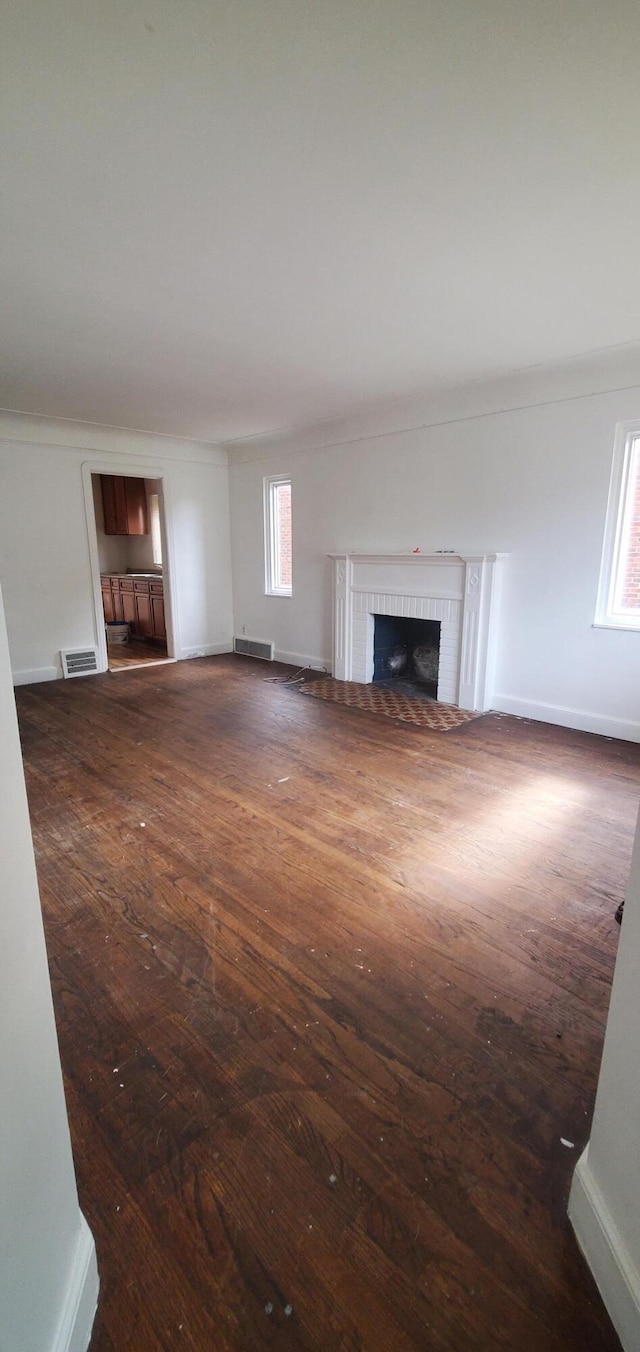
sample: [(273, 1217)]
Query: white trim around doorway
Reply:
[(135, 471)]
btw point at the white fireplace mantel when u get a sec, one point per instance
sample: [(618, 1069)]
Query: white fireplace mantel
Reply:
[(461, 591)]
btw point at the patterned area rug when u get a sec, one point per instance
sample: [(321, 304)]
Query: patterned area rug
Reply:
[(379, 699)]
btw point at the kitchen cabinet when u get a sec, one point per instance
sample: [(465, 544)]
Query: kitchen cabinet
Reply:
[(156, 597), (107, 600), (124, 503), (116, 603), (136, 601), (143, 620), (127, 601)]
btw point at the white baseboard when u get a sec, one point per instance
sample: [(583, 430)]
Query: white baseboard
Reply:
[(206, 650), (303, 660), (37, 674), (565, 717), (616, 1275), (76, 1320)]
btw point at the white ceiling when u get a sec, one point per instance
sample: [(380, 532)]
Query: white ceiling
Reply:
[(226, 216)]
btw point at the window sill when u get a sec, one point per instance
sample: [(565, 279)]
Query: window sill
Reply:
[(630, 627), (288, 594)]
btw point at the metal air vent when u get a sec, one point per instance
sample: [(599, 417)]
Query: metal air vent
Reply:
[(79, 662), (253, 647)]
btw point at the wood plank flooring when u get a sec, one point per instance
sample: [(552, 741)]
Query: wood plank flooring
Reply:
[(134, 654), (329, 991)]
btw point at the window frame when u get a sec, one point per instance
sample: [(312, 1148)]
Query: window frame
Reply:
[(271, 534), (610, 615), (155, 524)]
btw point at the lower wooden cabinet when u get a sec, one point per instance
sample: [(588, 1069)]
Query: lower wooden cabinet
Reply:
[(128, 607), (157, 616), (143, 620), (138, 602), (107, 601), (116, 600)]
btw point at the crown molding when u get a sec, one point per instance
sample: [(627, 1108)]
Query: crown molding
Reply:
[(64, 434), (606, 371)]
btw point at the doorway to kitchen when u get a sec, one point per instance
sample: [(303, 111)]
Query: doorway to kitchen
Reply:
[(131, 544)]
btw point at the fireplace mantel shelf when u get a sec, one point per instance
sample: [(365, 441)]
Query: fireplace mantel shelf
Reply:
[(460, 591), (438, 557)]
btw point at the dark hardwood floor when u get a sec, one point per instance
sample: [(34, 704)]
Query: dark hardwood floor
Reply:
[(329, 992), (134, 653)]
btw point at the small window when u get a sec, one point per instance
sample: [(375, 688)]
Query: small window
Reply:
[(619, 593), (277, 531), (156, 532)]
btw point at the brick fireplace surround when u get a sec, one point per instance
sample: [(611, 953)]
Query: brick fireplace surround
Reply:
[(460, 590)]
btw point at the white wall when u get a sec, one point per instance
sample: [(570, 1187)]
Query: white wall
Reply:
[(605, 1197), (44, 548), (48, 1278), (531, 481)]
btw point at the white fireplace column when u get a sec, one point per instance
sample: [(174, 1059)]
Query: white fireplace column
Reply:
[(461, 591)]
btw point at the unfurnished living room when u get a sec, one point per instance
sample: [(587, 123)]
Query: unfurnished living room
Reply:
[(320, 676)]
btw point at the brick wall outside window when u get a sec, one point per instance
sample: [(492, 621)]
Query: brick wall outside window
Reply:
[(284, 540), (631, 584), (278, 535)]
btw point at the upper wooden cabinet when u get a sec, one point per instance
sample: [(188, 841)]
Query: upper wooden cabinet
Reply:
[(124, 501)]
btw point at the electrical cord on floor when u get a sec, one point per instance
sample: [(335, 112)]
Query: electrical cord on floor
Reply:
[(296, 679)]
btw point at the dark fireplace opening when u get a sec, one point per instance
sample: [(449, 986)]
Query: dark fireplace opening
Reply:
[(406, 652)]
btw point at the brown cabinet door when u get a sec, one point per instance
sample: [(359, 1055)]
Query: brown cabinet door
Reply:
[(114, 504), (124, 502), (157, 616), (136, 500), (107, 603), (128, 604), (121, 504), (144, 623), (116, 602), (107, 484)]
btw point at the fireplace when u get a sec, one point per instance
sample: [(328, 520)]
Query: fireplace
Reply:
[(459, 593), (407, 651)]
